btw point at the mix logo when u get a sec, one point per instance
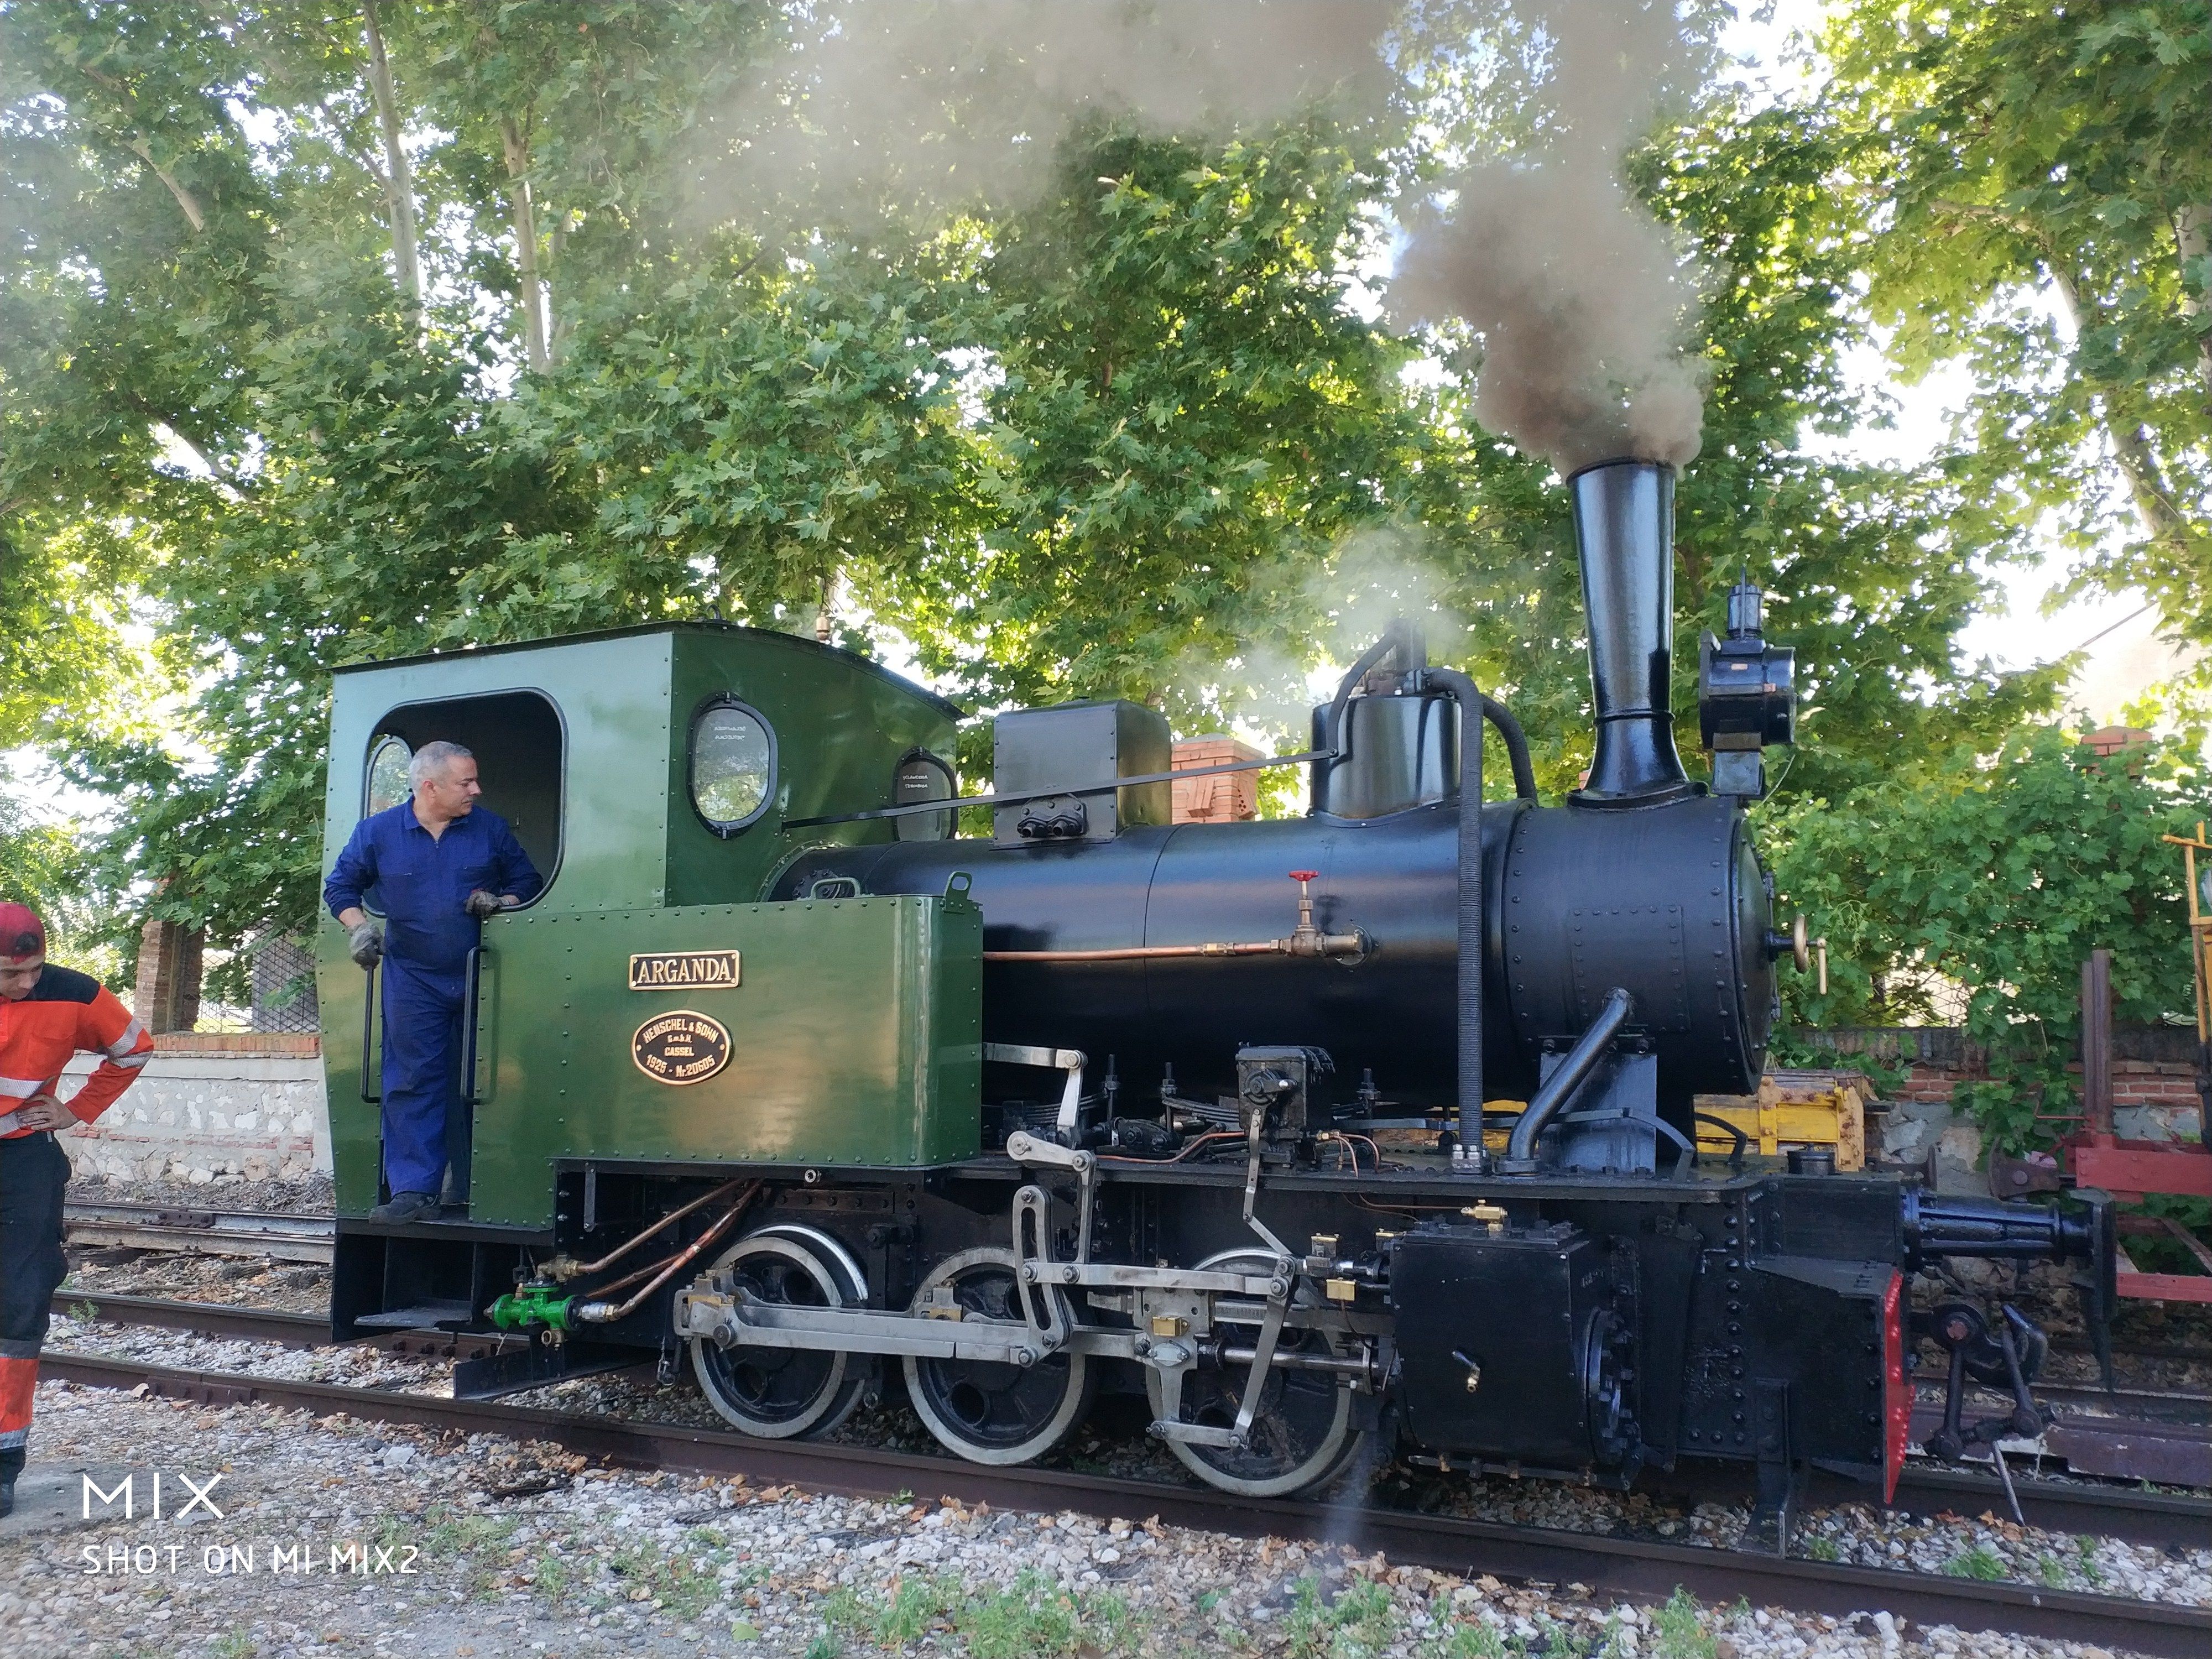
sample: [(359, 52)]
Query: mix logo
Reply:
[(126, 1493)]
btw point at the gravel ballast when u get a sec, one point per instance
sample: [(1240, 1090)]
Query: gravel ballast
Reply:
[(1983, 1548), (479, 1547)]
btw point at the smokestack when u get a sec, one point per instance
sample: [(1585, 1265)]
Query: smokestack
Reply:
[(1625, 534)]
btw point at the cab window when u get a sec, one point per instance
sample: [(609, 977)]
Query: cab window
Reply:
[(732, 765)]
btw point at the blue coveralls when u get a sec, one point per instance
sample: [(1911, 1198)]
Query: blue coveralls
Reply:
[(420, 882)]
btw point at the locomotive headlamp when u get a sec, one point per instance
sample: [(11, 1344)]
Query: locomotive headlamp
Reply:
[(1747, 696)]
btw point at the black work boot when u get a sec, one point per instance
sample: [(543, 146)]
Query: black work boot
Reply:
[(406, 1207)]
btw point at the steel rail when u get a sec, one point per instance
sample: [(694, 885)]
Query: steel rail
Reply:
[(1605, 1566), (201, 1232), (293, 1330)]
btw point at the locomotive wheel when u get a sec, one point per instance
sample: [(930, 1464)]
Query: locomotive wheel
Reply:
[(987, 1410), (781, 1393), (1302, 1433)]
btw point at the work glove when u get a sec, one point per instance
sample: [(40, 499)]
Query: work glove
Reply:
[(365, 944), (481, 904)]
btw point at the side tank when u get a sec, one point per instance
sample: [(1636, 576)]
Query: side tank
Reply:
[(1668, 900)]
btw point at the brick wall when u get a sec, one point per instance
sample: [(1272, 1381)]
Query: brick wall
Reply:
[(2154, 1066)]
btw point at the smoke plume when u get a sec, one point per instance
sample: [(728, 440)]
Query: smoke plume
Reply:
[(924, 104), (1578, 297)]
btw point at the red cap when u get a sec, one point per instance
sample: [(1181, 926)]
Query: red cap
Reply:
[(22, 935)]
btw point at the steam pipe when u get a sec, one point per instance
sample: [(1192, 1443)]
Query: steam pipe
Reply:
[(599, 1312), (1567, 1076), (1516, 746), (1400, 634), (1624, 537), (1463, 690)]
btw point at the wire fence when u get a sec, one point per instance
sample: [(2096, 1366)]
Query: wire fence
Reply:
[(270, 982)]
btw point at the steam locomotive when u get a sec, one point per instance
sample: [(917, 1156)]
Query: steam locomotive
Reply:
[(783, 1075)]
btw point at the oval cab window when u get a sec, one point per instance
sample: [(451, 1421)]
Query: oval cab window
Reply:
[(922, 776), (732, 765), (388, 774)]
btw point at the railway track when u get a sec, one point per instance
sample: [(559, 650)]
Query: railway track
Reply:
[(200, 1232), (2131, 1434), (1606, 1565)]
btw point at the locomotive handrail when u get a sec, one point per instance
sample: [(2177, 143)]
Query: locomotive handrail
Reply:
[(368, 1038), (473, 983), (911, 808)]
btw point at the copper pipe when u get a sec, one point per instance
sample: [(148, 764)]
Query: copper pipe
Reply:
[(1304, 944), (628, 1279), (565, 1270), (597, 1313), (1137, 953)]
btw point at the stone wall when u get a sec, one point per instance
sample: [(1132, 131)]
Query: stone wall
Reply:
[(210, 1103)]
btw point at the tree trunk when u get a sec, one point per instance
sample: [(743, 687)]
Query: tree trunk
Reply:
[(2192, 235), (186, 199), (398, 180), (2163, 519), (525, 243)]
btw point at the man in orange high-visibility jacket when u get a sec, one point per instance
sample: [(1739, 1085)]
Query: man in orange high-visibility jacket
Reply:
[(47, 1014)]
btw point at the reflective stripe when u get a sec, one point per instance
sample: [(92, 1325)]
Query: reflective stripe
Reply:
[(19, 1088), (19, 1350), (124, 1044), (131, 1062), (15, 1437), (19, 1382)]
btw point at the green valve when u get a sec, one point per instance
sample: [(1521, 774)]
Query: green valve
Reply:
[(532, 1304)]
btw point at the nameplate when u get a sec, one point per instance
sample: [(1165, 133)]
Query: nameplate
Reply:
[(683, 970), (680, 1047)]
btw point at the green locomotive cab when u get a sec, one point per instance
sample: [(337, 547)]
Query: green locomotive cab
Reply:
[(650, 1005)]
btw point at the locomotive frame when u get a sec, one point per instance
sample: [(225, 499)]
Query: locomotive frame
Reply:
[(885, 1112)]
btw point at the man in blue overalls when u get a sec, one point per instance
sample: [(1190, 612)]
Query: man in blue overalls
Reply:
[(439, 866)]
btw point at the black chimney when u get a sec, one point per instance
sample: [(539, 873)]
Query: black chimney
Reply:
[(1625, 532)]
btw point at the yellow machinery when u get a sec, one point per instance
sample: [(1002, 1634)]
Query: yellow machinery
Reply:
[(1793, 1109)]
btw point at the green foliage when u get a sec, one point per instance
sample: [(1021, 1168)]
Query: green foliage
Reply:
[(1980, 1563), (40, 863), (2042, 187), (1032, 1615), (1475, 1641), (2001, 875), (1679, 1629), (1361, 1623)]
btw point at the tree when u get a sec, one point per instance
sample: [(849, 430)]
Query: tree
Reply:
[(2043, 186), (2003, 876), (1183, 415)]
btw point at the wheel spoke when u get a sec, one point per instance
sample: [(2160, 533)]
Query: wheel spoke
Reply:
[(992, 1411), (781, 1392)]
